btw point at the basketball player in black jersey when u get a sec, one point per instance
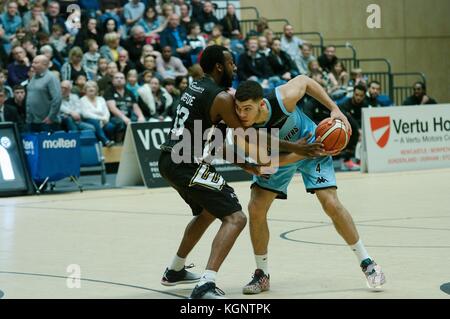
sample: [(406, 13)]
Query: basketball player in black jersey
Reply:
[(205, 101)]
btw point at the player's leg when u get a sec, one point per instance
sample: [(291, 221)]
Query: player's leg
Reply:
[(224, 205), (343, 222), (340, 216), (258, 207)]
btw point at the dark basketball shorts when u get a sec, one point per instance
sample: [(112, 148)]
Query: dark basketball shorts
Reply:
[(200, 186)]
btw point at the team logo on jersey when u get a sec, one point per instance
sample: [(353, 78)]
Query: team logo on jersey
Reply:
[(381, 128), (321, 180)]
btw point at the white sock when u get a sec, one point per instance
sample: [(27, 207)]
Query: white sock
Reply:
[(262, 263), (360, 251), (177, 263), (208, 276)]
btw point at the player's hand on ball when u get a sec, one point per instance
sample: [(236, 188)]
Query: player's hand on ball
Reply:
[(306, 149), (337, 114)]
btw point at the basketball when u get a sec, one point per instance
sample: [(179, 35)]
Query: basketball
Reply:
[(333, 136)]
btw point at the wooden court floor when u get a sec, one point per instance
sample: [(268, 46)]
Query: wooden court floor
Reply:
[(120, 241)]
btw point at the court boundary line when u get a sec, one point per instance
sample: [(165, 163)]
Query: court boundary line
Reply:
[(92, 280)]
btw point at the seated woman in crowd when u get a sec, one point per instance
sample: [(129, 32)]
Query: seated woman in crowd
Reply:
[(154, 101), (95, 112)]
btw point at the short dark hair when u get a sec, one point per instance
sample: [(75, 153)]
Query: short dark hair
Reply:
[(249, 90), (211, 56), (360, 87), (18, 87), (376, 82)]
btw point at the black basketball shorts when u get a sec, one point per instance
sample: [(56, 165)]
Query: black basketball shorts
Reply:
[(200, 186)]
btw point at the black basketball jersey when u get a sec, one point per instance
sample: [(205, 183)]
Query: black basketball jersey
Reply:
[(194, 109)]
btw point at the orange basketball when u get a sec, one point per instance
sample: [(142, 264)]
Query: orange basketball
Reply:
[(333, 136)]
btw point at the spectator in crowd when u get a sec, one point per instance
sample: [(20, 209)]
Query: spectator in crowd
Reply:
[(54, 16), (18, 69), (54, 64), (44, 39), (185, 18), (230, 23), (146, 50), (43, 97), (281, 63), (21, 34), (420, 96), (356, 103), (90, 59), (170, 86), (123, 107), (155, 101), (151, 23), (181, 83), (18, 102), (305, 58), (339, 75), (357, 77), (70, 112), (149, 65), (110, 50), (328, 59), (7, 113), (374, 96), (110, 25), (37, 14), (133, 12), (207, 19), (167, 11), (105, 82), (10, 21), (268, 33), (175, 37), (102, 68), (89, 31), (78, 87), (291, 44), (72, 68), (169, 66), (195, 41), (316, 73), (253, 65), (132, 83), (338, 81), (124, 64), (216, 35), (4, 86), (135, 43), (32, 33), (263, 48), (95, 112), (58, 39)]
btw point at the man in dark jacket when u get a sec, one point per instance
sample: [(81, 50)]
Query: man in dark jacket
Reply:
[(419, 96), (280, 62), (207, 19), (328, 59), (175, 36), (253, 65)]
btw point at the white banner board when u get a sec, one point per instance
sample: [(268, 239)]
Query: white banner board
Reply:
[(406, 138)]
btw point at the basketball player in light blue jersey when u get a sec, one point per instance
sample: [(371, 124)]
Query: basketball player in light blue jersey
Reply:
[(281, 109)]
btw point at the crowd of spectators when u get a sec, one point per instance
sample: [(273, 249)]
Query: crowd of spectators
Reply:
[(121, 61)]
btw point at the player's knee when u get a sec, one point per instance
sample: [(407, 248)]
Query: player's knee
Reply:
[(238, 219), (332, 207)]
